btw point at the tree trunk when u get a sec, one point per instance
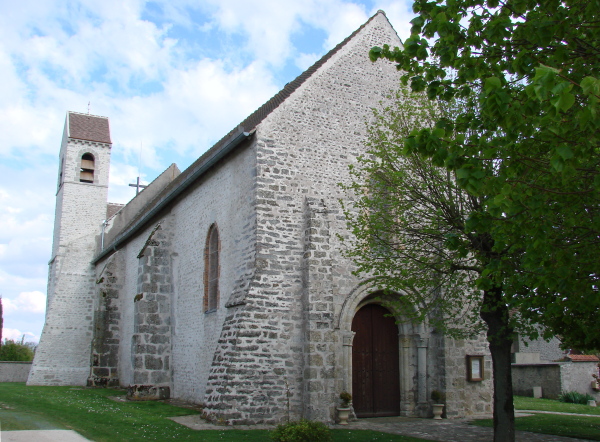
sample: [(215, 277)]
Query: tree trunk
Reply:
[(500, 336)]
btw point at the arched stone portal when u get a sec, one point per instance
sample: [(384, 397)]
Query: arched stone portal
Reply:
[(375, 363)]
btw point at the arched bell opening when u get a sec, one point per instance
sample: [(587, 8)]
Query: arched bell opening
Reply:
[(88, 166)]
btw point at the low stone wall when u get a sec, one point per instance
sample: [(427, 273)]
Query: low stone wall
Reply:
[(14, 371), (554, 378), (577, 376), (527, 376)]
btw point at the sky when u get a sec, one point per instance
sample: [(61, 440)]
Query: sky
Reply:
[(173, 76)]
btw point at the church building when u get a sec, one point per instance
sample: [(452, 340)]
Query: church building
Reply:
[(226, 284)]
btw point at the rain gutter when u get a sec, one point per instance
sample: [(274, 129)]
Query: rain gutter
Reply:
[(202, 168)]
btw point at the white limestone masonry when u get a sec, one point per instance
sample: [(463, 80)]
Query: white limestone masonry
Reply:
[(63, 354)]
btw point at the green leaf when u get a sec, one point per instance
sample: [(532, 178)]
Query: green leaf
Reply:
[(565, 152), (375, 53), (565, 101), (439, 132), (557, 163), (417, 21), (590, 85), (492, 83), (463, 173), (545, 72)]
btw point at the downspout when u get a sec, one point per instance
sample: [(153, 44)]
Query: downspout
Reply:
[(104, 223)]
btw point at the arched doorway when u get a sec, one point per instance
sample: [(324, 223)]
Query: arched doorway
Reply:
[(375, 363)]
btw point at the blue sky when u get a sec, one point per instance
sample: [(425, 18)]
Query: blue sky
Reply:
[(173, 76)]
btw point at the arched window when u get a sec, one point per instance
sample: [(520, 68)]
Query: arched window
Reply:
[(86, 173), (211, 270)]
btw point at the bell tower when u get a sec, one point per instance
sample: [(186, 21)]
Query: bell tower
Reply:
[(63, 354)]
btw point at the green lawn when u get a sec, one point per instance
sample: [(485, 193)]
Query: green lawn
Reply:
[(528, 403), (582, 427), (94, 415)]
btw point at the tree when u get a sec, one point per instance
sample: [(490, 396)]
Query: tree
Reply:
[(17, 351), (411, 228), (528, 139)]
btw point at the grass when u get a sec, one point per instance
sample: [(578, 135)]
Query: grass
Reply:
[(582, 427), (528, 403), (94, 415)]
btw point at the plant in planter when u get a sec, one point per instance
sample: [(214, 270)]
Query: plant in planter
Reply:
[(344, 409), (438, 403)]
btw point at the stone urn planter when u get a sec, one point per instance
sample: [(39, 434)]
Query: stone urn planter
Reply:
[(438, 409), (438, 406), (343, 415), (344, 409)]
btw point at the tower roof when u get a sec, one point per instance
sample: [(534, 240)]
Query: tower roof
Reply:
[(88, 127)]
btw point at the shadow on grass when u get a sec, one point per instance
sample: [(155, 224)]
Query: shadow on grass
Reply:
[(13, 421)]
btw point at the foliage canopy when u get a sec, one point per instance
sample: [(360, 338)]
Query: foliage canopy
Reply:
[(16, 351), (527, 139), (408, 223)]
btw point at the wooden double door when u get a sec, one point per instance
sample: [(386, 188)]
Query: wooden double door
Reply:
[(375, 363)]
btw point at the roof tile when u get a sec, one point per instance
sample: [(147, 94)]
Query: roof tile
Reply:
[(89, 127), (583, 358)]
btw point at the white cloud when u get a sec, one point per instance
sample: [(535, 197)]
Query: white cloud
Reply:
[(342, 21), (304, 61), (29, 302), (16, 335)]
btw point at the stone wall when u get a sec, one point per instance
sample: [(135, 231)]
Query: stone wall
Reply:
[(280, 355), (577, 376), (554, 378), (465, 398), (107, 324), (549, 351), (167, 340), (225, 197), (303, 279), (151, 341), (14, 371), (547, 376)]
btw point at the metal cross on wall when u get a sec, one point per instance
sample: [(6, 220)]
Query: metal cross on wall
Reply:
[(137, 185)]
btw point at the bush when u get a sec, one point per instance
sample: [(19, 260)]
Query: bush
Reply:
[(15, 351), (346, 399), (302, 431), (573, 397)]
